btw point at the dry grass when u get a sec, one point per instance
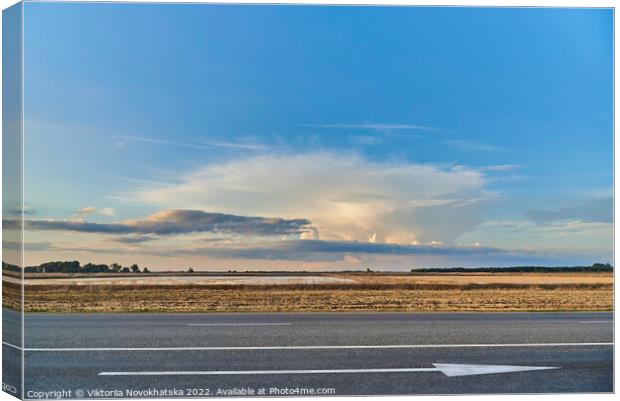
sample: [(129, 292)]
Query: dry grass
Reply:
[(489, 278), (462, 292)]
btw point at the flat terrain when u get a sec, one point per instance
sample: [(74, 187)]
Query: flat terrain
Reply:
[(324, 292), (333, 278), (190, 280), (224, 351)]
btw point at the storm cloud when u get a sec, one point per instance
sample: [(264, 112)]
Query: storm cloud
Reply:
[(171, 222), (346, 196), (318, 250)]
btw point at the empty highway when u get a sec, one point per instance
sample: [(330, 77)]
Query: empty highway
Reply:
[(181, 355)]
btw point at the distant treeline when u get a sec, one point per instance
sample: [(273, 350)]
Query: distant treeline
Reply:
[(75, 267), (10, 267), (596, 267)]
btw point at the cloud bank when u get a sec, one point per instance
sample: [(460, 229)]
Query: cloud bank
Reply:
[(347, 197), (171, 222), (318, 250)]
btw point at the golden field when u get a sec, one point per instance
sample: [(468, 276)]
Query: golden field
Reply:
[(346, 292)]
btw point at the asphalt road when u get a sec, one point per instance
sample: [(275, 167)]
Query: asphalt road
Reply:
[(364, 353)]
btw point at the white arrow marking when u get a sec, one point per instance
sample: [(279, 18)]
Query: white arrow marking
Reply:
[(596, 321), (238, 324), (449, 370)]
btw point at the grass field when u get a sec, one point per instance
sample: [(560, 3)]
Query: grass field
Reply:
[(416, 292)]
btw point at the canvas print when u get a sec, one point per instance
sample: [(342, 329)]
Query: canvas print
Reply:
[(210, 200)]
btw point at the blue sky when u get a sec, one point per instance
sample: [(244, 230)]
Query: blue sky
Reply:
[(460, 136)]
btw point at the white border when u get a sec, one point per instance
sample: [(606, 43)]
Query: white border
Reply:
[(478, 3)]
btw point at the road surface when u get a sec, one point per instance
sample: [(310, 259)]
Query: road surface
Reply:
[(108, 355)]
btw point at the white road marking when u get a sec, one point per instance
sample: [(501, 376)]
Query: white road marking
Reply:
[(595, 321), (305, 347), (12, 345), (450, 370), (239, 324)]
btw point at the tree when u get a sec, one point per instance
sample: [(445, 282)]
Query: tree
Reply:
[(600, 267), (125, 270), (93, 268), (146, 270), (190, 270), (58, 267), (135, 268), (10, 267), (116, 267)]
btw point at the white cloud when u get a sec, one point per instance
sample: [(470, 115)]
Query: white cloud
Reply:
[(366, 139), (502, 167), (89, 210), (85, 211), (344, 195), (379, 127), (200, 145), (473, 146), (107, 211)]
